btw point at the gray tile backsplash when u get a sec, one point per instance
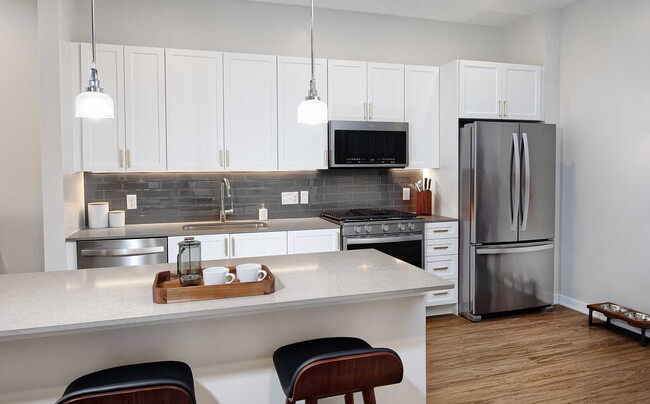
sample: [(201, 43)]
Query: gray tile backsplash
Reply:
[(185, 197)]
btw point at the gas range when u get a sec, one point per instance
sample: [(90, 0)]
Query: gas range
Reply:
[(367, 222)]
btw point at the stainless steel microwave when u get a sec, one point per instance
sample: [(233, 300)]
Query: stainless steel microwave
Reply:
[(368, 144)]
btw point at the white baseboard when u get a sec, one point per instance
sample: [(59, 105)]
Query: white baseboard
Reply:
[(581, 307)]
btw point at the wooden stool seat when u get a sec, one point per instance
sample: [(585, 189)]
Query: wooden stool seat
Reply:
[(328, 367), (167, 382)]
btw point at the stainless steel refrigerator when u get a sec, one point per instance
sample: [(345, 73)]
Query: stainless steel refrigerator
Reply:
[(507, 214)]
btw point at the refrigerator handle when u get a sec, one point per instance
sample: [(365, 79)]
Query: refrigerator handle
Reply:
[(514, 211), (526, 196)]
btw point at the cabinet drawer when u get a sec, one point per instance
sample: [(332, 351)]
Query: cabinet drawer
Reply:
[(441, 297), (446, 246), (441, 230), (443, 266)]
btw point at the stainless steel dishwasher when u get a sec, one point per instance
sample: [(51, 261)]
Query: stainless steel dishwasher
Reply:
[(121, 253)]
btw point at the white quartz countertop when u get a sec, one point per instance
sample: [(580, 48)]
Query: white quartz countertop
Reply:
[(47, 303), (176, 229)]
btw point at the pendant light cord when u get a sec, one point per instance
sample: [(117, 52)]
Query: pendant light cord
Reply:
[(313, 94), (92, 30)]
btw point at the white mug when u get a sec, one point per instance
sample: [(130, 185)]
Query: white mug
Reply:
[(250, 273), (217, 276)]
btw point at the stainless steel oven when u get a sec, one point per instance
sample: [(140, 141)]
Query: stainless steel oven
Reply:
[(368, 144), (406, 247)]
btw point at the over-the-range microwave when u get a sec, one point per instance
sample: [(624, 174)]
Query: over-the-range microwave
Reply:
[(368, 144)]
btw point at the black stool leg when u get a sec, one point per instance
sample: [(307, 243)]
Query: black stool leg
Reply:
[(591, 317), (644, 342), (349, 398), (369, 396), (311, 401)]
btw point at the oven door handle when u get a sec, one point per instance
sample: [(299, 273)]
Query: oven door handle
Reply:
[(382, 240)]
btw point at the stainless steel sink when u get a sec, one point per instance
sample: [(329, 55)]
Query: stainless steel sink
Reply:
[(232, 225)]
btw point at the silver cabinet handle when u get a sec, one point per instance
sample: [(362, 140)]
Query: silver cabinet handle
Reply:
[(325, 157), (524, 220), (227, 158), (505, 108), (120, 157), (440, 293), (221, 158), (500, 108), (128, 158), (370, 112), (225, 246), (232, 248), (365, 110), (121, 252)]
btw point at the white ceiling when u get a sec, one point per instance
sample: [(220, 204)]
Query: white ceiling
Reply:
[(495, 13)]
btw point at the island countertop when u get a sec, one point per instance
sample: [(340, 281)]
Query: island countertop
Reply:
[(46, 303)]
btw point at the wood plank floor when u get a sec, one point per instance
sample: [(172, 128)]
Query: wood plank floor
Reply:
[(534, 358)]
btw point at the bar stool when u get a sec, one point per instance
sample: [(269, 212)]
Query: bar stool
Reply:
[(156, 382), (327, 367)]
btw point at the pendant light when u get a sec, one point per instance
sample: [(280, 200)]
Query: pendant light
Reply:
[(93, 103), (312, 110)]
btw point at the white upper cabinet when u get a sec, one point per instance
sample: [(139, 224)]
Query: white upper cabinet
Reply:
[(480, 90), (300, 146), (250, 112), (144, 83), (500, 91), (194, 110), (347, 87), (103, 139), (521, 91), (385, 92), (422, 112)]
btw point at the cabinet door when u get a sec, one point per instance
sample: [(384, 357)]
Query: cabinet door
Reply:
[(312, 241), (347, 90), (213, 246), (251, 120), (300, 147), (480, 90), (244, 245), (521, 89), (385, 92), (194, 110), (144, 91), (103, 139), (422, 112)]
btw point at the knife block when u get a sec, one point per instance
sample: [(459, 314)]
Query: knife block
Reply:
[(423, 203)]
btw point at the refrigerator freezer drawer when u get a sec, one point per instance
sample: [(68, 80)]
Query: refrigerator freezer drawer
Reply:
[(511, 277)]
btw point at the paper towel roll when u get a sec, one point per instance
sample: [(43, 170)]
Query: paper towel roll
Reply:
[(116, 218), (97, 215)]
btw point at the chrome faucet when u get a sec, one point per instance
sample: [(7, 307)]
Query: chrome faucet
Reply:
[(225, 191)]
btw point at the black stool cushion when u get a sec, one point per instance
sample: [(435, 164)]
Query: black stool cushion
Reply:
[(127, 377), (289, 360)]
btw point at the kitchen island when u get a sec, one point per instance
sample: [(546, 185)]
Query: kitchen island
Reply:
[(56, 326)]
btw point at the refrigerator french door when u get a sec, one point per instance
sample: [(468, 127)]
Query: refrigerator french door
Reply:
[(507, 212)]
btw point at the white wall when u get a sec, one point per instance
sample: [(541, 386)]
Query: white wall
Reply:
[(21, 224), (242, 26), (606, 166)]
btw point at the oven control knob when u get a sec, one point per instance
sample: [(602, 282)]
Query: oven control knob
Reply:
[(357, 229), (384, 227), (411, 226), (401, 226), (368, 229)]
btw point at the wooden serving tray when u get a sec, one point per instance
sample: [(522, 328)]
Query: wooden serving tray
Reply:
[(167, 288)]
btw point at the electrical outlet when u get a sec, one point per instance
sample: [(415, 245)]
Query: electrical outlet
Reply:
[(290, 198), (304, 197), (131, 201), (406, 194)]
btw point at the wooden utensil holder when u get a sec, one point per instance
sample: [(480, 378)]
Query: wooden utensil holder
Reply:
[(423, 203), (167, 288)]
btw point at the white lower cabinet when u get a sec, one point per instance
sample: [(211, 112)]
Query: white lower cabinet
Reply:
[(441, 259), (312, 241), (244, 245)]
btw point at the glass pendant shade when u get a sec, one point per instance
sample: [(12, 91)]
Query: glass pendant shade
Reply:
[(312, 112), (93, 104)]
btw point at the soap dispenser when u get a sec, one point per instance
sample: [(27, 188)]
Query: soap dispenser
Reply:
[(263, 213)]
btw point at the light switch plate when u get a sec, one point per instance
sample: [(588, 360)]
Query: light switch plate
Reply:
[(304, 197), (406, 194), (131, 201), (290, 198)]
